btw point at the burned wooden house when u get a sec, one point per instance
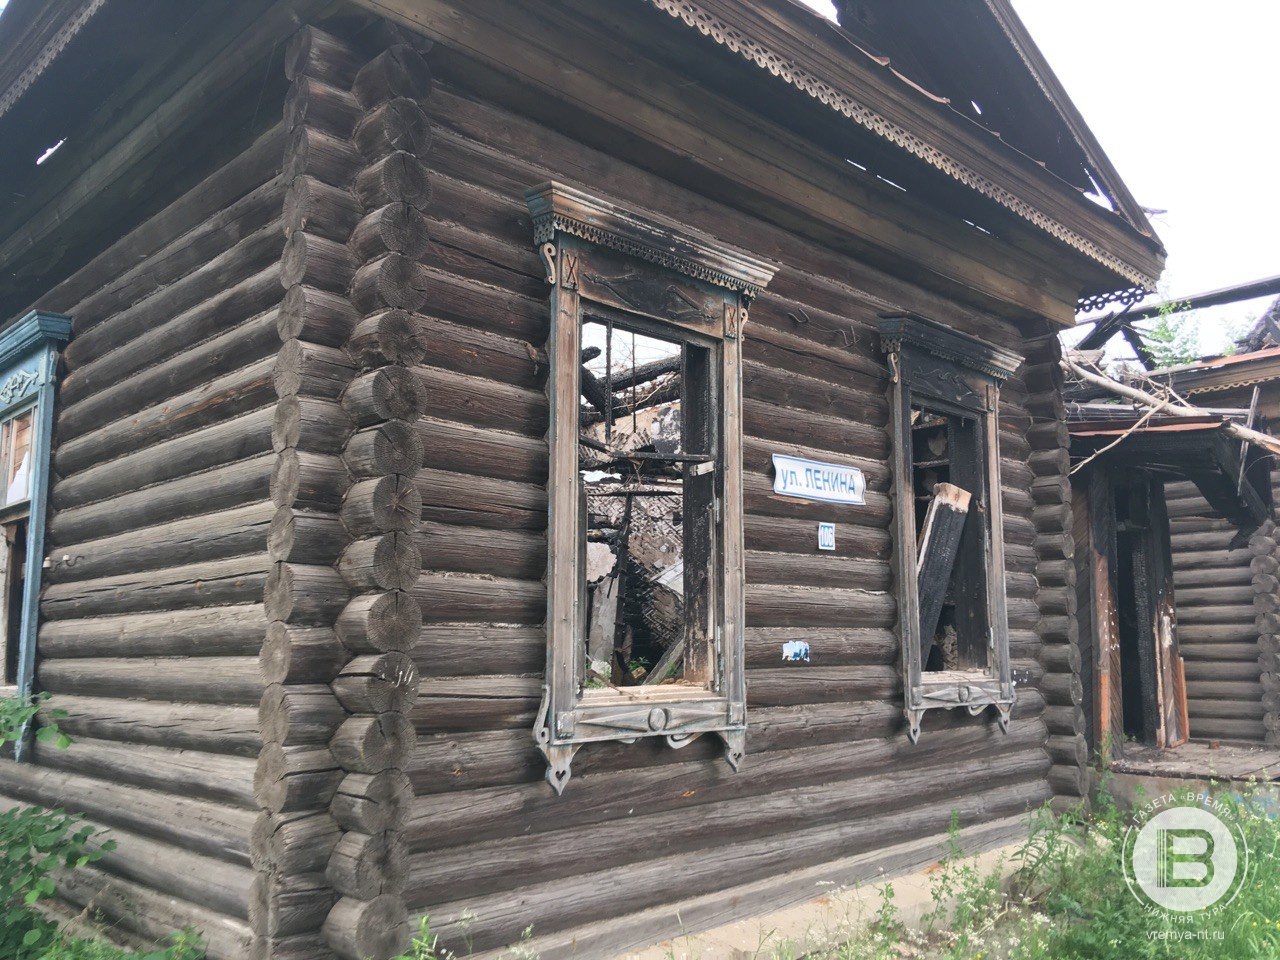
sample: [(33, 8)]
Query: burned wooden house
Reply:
[(1176, 560), (596, 467)]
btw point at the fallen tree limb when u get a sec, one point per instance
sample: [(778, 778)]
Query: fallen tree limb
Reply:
[(1247, 434)]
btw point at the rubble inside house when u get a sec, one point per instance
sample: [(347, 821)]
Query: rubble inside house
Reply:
[(633, 499)]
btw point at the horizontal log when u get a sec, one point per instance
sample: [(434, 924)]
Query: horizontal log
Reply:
[(312, 152), (518, 554), (373, 803), (481, 402), (378, 683), (385, 337), (459, 597), (153, 914), (312, 52), (295, 778), (374, 744), (220, 583), (377, 622), (318, 103), (304, 536), (312, 260), (396, 125), (392, 281), (229, 307), (221, 680), (300, 655), (311, 370), (388, 393), (780, 605), (465, 650), (319, 209), (242, 266), (316, 316), (309, 481), (357, 929), (292, 843), (392, 447), (381, 505), (227, 352), (213, 536), (365, 866), (184, 773), (133, 788), (311, 424), (299, 714), (212, 632), (398, 177), (281, 905), (386, 562), (489, 503), (304, 594), (216, 446), (218, 729), (215, 401), (395, 228), (399, 71)]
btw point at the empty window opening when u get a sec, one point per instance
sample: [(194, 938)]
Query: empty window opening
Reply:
[(947, 482), (648, 464)]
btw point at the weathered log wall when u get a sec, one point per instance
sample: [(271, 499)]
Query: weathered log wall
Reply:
[(1225, 598), (641, 825), (152, 612)]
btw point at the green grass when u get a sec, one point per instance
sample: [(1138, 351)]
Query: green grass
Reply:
[(1068, 900)]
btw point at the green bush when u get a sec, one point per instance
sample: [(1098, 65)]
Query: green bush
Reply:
[(33, 844)]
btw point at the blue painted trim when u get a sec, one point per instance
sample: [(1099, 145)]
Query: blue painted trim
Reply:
[(32, 345)]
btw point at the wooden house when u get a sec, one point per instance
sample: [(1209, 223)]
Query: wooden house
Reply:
[(1176, 557), (337, 323)]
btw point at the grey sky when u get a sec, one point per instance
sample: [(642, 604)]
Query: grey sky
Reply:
[(1183, 99)]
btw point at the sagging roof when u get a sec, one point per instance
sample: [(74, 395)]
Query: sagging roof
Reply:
[(1233, 476), (942, 55), (1028, 151)]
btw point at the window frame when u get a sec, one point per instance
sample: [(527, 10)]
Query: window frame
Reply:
[(933, 365), (599, 256), (29, 351)]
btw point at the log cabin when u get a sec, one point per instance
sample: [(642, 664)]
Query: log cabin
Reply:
[(1175, 536), (393, 387)]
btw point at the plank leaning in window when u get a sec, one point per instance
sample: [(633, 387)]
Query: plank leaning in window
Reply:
[(948, 527), (645, 567)]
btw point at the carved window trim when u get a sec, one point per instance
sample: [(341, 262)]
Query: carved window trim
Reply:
[(592, 250), (28, 378), (932, 363)]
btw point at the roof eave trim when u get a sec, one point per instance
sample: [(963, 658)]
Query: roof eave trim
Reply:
[(57, 43), (706, 23)]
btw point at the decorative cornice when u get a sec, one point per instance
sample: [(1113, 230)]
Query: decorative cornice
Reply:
[(57, 43), (839, 101), (35, 329), (903, 329), (557, 208)]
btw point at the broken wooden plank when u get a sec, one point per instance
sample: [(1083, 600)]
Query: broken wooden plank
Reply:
[(939, 547)]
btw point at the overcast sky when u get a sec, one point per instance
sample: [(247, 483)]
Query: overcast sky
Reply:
[(1183, 98)]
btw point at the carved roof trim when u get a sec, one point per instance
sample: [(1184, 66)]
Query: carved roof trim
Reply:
[(557, 207), (898, 330), (786, 69)]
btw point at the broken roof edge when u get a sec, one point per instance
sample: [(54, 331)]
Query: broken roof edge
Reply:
[(1038, 66), (50, 41), (693, 15)]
